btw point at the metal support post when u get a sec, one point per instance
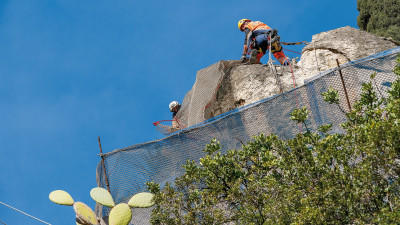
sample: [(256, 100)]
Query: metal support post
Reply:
[(104, 166), (344, 86)]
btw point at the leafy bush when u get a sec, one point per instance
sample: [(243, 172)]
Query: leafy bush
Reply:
[(315, 178), (381, 17)]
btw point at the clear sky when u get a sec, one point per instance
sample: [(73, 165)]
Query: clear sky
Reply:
[(73, 70)]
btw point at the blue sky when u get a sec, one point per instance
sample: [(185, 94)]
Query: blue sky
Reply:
[(73, 70)]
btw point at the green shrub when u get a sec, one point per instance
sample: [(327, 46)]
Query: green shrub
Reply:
[(342, 178), (381, 17)]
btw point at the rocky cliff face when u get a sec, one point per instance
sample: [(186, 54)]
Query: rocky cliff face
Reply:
[(345, 44), (227, 85)]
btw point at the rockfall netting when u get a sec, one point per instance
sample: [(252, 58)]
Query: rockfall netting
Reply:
[(199, 98), (223, 82), (128, 169)]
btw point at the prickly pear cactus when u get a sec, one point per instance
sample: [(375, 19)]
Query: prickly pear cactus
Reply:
[(61, 197), (84, 214), (120, 214)]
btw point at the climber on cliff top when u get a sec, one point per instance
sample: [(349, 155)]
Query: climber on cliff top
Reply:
[(257, 41)]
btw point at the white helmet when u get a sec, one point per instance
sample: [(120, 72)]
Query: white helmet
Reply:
[(173, 104)]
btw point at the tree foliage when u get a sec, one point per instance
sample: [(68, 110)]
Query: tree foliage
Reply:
[(381, 17), (315, 178)]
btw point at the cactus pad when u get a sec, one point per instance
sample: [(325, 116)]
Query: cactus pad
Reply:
[(85, 213), (102, 196), (141, 200), (61, 197), (121, 214)]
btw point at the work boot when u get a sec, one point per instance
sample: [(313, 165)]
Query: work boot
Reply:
[(253, 57)]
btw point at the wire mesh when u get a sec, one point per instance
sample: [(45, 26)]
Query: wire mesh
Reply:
[(128, 169)]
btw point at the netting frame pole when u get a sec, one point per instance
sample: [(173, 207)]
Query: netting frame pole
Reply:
[(104, 165), (343, 84)]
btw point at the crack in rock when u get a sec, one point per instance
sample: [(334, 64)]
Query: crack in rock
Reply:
[(329, 49)]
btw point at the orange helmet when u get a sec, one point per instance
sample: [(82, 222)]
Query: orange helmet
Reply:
[(241, 22)]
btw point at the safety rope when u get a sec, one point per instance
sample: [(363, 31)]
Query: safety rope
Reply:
[(291, 69), (3, 222), (176, 119), (278, 81), (158, 122), (305, 43), (295, 43), (179, 123), (294, 83), (291, 51), (270, 47), (295, 91), (163, 128), (272, 66), (25, 213)]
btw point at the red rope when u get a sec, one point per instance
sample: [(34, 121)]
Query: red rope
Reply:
[(158, 122), (291, 51), (295, 91), (179, 124)]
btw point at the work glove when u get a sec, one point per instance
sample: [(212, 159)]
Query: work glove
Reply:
[(243, 58)]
